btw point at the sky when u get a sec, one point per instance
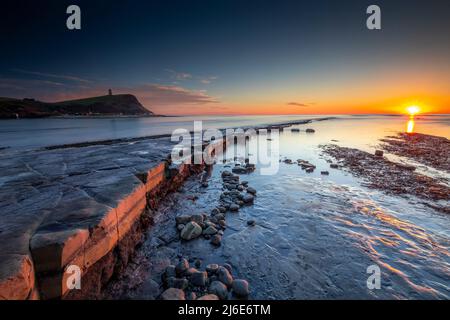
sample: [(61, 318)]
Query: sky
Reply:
[(232, 57)]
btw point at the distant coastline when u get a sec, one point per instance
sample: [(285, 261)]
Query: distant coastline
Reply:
[(121, 105)]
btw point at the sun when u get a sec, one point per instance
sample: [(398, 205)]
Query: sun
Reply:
[(412, 110)]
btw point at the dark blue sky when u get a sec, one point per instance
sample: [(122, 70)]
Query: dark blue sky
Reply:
[(221, 53)]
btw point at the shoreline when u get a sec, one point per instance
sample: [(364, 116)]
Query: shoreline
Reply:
[(100, 247), (134, 139)]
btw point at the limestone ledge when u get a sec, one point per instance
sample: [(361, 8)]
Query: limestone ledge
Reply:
[(73, 207)]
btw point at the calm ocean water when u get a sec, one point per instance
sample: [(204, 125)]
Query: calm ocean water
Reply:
[(32, 133)]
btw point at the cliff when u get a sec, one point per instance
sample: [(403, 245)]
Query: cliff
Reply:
[(121, 104)]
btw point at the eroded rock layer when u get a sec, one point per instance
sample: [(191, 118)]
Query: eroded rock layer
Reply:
[(77, 206)]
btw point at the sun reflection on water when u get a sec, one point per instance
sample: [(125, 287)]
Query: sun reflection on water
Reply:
[(410, 125)]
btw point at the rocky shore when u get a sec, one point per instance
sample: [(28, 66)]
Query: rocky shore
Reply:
[(184, 282), (88, 205), (426, 149), (85, 207), (391, 177)]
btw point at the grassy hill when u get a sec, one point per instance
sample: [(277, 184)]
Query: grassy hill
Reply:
[(120, 104)]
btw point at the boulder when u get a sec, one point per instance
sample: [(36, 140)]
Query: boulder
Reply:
[(170, 271), (248, 198), (240, 288), (216, 240), (191, 296), (173, 294), (179, 283), (197, 218), (225, 276), (212, 268), (209, 297), (210, 230), (219, 289), (378, 153), (183, 219), (191, 231), (199, 278), (181, 267)]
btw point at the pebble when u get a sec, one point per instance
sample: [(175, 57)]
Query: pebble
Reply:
[(181, 267), (222, 223), (248, 198), (222, 209), (198, 218), (251, 223), (234, 207), (179, 283), (191, 271), (334, 166), (226, 173), (180, 227), (219, 289), (198, 263), (378, 153), (219, 217), (191, 296), (215, 211), (170, 271), (209, 297), (228, 267), (199, 278), (240, 288), (212, 268), (309, 130), (224, 276), (239, 170), (210, 230), (191, 231), (216, 240), (183, 219), (173, 294), (325, 173)]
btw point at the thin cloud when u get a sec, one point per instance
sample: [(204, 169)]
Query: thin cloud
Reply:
[(298, 104), (157, 94), (183, 76), (51, 75), (180, 76), (208, 80)]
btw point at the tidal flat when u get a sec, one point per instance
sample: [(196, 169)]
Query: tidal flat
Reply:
[(309, 231)]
